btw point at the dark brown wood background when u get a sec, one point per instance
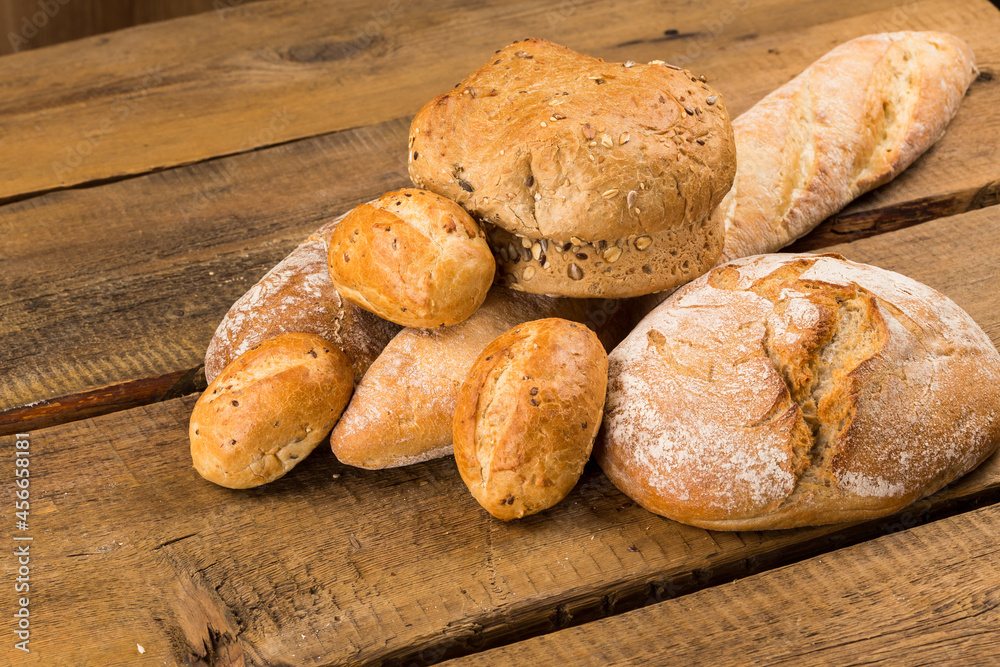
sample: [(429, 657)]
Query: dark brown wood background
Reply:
[(152, 174), (38, 23)]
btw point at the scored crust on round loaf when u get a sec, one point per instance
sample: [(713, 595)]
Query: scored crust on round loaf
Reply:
[(412, 257), (547, 143), (780, 391)]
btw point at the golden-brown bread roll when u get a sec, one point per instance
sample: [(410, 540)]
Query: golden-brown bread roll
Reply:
[(780, 391), (599, 176), (297, 296), (527, 415), (850, 122), (269, 409), (402, 410), (412, 257)]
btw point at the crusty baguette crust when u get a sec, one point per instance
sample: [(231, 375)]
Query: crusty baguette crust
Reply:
[(297, 296), (850, 122), (527, 415), (780, 391)]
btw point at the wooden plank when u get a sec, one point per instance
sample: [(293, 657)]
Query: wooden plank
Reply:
[(924, 596), (181, 91), (30, 24), (335, 565), (111, 294), (121, 261)]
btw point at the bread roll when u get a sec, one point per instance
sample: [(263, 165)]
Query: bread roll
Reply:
[(605, 173), (791, 390), (269, 409), (413, 258), (402, 410), (297, 296), (527, 415), (852, 121)]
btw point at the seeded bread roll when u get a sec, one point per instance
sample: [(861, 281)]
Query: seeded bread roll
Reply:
[(269, 409), (413, 258), (622, 161), (402, 410), (792, 390), (297, 296), (527, 415)]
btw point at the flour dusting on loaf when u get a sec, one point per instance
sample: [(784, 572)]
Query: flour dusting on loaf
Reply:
[(297, 296), (788, 390), (850, 122)]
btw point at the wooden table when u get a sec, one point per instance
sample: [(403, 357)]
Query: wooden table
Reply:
[(150, 176)]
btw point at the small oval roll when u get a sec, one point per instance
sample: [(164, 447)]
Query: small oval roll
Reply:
[(269, 409), (412, 257), (527, 415)]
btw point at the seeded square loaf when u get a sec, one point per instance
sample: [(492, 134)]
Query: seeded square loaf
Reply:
[(599, 178)]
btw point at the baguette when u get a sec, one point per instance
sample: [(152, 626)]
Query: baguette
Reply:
[(850, 122), (297, 296)]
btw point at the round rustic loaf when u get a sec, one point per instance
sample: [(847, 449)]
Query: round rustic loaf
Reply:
[(412, 257), (527, 415), (780, 391), (269, 409), (604, 173)]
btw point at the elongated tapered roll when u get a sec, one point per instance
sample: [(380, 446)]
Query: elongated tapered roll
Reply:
[(851, 122)]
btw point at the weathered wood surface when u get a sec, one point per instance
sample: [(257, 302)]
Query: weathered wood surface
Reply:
[(111, 289), (147, 266), (925, 596), (31, 24), (334, 565), (182, 91)]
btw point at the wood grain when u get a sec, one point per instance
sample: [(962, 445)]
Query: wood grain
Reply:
[(333, 565), (36, 23), (150, 264), (924, 596), (123, 285), (198, 87)]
